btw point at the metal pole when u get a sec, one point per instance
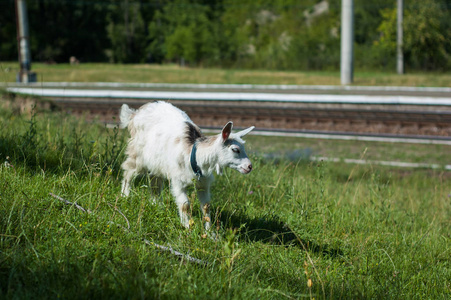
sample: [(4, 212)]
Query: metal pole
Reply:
[(400, 54), (23, 43), (347, 41)]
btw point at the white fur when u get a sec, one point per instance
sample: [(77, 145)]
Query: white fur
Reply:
[(159, 146)]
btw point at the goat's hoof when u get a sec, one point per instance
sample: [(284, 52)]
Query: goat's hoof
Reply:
[(210, 234), (213, 236)]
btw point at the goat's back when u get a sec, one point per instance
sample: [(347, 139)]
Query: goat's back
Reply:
[(165, 117), (158, 130)]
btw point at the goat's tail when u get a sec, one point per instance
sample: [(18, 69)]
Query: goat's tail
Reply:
[(126, 115)]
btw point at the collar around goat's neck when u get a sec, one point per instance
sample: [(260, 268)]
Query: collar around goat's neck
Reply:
[(196, 169)]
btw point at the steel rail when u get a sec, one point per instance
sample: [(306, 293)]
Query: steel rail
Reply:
[(235, 96)]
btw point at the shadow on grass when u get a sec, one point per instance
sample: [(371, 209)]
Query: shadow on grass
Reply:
[(272, 230)]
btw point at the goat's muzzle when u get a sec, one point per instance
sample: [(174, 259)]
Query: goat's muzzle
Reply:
[(246, 170)]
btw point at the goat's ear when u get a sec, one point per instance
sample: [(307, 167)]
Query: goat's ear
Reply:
[(245, 131), (226, 131)]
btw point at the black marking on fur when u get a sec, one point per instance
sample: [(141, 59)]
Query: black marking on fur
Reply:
[(193, 134), (229, 142)]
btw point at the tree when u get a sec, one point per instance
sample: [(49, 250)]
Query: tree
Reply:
[(270, 34), (127, 33), (186, 31), (426, 35), (60, 29), (8, 44)]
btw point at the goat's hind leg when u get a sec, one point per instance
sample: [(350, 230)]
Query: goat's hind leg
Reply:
[(156, 186), (129, 167)]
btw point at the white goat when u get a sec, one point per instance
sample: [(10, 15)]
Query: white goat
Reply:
[(168, 145)]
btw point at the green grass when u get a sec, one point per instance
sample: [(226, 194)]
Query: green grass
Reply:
[(94, 72), (376, 151), (354, 231)]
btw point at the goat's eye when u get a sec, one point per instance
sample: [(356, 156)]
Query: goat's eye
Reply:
[(236, 150)]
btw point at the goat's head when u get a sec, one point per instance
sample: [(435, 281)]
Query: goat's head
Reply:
[(232, 153)]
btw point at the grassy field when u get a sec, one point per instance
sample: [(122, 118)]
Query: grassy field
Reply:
[(91, 72), (290, 229), (292, 148)]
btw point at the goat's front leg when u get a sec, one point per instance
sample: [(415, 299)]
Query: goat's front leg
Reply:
[(204, 198), (182, 203)]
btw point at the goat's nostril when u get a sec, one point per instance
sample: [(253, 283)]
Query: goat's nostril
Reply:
[(250, 167)]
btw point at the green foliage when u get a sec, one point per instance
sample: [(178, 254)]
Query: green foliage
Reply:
[(282, 34), (127, 34), (428, 41), (293, 229), (279, 35), (387, 29), (189, 32), (59, 143), (426, 30), (61, 29)]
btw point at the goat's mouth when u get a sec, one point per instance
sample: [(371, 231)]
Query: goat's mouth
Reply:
[(245, 171)]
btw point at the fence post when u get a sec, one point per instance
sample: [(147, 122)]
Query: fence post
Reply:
[(347, 41), (23, 44)]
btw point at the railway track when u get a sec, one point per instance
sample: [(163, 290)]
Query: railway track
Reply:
[(394, 116), (267, 116)]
